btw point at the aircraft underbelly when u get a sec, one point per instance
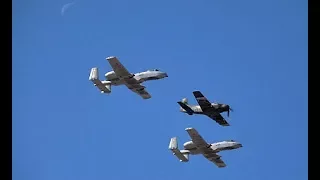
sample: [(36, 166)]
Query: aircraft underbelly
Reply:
[(117, 82), (194, 151), (143, 78)]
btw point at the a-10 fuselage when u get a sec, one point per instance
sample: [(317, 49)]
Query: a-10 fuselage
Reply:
[(216, 147), (113, 79)]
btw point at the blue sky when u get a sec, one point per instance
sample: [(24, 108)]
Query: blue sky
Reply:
[(249, 54)]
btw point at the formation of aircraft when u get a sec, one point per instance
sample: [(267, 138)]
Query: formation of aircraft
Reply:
[(121, 76), (198, 145), (205, 107), (133, 81)]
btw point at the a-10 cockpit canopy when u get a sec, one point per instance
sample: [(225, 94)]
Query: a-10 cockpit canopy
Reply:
[(154, 70)]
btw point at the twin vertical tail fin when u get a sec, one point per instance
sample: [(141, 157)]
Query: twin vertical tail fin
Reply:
[(173, 146), (103, 86), (173, 143), (94, 74)]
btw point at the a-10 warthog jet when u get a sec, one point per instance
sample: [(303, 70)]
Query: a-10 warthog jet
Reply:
[(198, 145), (205, 107), (121, 76)]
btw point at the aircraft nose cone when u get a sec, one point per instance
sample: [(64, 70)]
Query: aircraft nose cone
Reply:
[(165, 75), (223, 105)]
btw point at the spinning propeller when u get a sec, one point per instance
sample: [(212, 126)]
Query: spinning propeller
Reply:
[(229, 109), (227, 106)]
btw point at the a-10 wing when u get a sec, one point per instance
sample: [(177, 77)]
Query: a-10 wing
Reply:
[(139, 89), (205, 148), (118, 68), (207, 110), (130, 82)]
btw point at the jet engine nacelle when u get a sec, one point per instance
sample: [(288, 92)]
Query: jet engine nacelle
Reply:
[(110, 75), (189, 145)]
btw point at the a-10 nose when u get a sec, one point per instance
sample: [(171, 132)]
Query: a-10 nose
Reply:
[(239, 145), (224, 105)]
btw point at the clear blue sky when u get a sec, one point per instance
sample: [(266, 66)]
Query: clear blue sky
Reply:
[(249, 54)]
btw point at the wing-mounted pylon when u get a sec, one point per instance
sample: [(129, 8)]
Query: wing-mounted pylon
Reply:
[(103, 86), (181, 155)]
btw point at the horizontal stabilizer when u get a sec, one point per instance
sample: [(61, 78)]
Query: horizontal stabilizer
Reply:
[(173, 146), (104, 87), (186, 107)]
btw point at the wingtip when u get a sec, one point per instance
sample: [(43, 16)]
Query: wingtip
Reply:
[(110, 57), (189, 128), (196, 92)]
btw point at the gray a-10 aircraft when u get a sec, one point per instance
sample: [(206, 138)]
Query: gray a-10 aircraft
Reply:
[(198, 145), (121, 76), (205, 107)]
